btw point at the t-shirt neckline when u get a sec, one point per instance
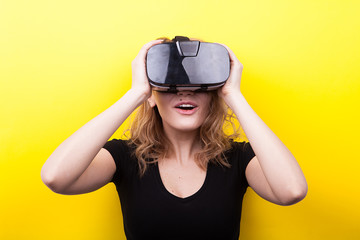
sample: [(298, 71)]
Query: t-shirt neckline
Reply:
[(177, 198)]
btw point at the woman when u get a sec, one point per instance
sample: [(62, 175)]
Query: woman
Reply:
[(179, 176)]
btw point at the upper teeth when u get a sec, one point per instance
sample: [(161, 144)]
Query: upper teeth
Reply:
[(186, 105)]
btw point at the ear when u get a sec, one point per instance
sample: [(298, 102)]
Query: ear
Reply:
[(151, 101)]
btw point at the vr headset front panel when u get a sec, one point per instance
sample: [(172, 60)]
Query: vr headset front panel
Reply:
[(208, 69)]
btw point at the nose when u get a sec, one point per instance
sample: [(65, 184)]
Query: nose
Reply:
[(185, 93)]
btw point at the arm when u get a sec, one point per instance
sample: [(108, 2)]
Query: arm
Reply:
[(80, 164), (273, 173)]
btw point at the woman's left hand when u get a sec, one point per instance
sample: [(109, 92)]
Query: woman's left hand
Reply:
[(273, 173), (232, 85)]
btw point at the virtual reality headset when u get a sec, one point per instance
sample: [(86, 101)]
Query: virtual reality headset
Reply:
[(183, 64)]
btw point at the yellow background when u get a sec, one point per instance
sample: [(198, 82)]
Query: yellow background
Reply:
[(64, 62)]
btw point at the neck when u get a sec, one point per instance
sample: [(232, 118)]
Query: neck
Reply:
[(183, 146)]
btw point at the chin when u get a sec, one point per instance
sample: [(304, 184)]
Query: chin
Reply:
[(188, 129), (185, 126)]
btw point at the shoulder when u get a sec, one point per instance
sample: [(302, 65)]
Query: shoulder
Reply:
[(240, 148), (116, 146), (122, 151), (240, 152)]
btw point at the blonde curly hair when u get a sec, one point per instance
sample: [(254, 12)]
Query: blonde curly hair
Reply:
[(151, 144)]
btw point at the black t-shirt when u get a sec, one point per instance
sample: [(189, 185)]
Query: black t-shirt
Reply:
[(151, 212)]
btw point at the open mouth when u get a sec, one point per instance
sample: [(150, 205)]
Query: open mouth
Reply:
[(186, 106)]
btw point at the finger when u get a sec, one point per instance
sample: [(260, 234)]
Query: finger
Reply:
[(147, 46), (232, 55)]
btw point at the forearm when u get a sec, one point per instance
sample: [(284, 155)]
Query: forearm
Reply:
[(279, 166), (75, 154)]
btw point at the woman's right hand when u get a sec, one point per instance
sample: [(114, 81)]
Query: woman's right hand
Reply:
[(140, 83), (79, 164)]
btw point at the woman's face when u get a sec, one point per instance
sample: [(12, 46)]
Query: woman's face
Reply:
[(182, 111)]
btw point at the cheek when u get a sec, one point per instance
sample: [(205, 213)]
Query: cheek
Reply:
[(204, 114), (206, 108), (162, 99)]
